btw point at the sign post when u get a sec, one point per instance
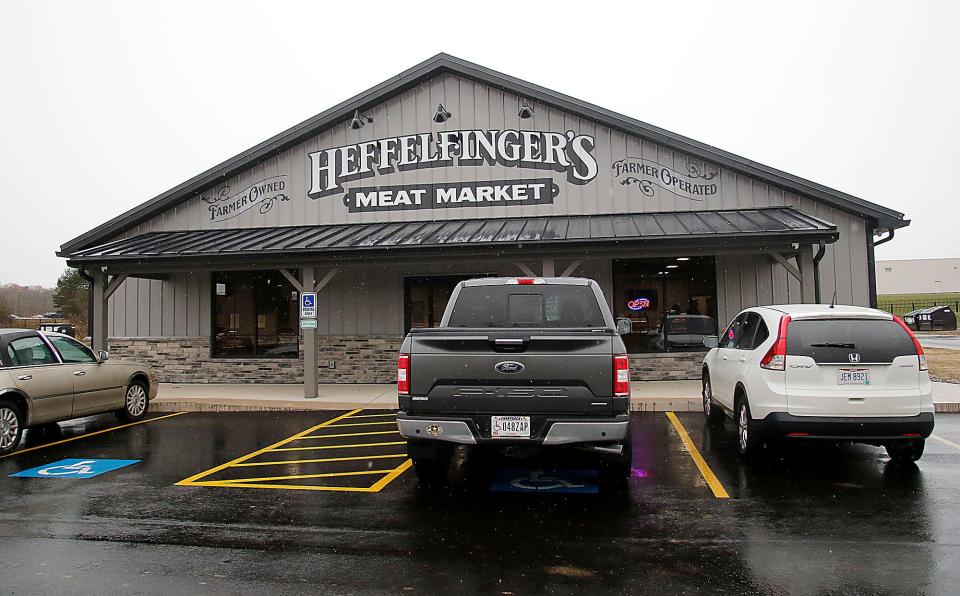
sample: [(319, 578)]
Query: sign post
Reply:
[(308, 323)]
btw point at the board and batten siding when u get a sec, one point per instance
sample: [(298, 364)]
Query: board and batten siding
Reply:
[(360, 300)]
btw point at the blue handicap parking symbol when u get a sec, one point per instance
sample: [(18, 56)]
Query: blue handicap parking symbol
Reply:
[(75, 468), (308, 300), (546, 481)]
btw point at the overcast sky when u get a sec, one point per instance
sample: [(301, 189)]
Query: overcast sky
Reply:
[(104, 105)]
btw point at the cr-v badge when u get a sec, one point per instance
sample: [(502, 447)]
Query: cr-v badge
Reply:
[(509, 366)]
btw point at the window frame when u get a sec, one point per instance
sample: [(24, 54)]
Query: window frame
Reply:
[(4, 355), (213, 319), (71, 340)]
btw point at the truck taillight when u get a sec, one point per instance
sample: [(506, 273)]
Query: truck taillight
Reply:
[(403, 374), (916, 342), (621, 376), (776, 357)]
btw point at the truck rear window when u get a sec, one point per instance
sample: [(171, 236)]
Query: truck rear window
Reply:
[(527, 306), (834, 340)]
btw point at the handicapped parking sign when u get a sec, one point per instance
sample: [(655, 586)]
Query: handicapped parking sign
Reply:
[(75, 468), (308, 305)]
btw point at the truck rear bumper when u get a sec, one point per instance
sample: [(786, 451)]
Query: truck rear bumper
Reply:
[(557, 431)]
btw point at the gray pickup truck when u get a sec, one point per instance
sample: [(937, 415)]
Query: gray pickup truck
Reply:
[(517, 365)]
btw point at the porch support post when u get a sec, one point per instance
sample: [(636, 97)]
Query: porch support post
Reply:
[(524, 268), (570, 269), (548, 268), (308, 276), (807, 285), (98, 327)]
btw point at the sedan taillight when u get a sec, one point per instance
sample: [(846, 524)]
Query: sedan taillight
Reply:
[(621, 376), (403, 374)]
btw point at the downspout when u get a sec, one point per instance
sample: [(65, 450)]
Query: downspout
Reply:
[(83, 273), (872, 262), (822, 250)]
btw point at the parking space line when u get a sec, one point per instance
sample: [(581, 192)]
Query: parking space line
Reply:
[(98, 432), (946, 442), (393, 422), (340, 436), (386, 475), (279, 443), (306, 476), (340, 446), (319, 461), (712, 481)]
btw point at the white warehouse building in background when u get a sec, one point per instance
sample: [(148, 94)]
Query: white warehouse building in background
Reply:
[(918, 276)]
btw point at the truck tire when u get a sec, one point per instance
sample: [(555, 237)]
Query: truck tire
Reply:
[(616, 473), (431, 461)]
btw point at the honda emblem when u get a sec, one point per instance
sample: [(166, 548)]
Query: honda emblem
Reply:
[(854, 358)]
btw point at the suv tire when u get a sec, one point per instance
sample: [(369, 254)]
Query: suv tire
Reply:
[(711, 412), (11, 426), (136, 401), (905, 451), (748, 441)]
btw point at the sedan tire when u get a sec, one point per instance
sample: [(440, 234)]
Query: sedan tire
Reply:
[(136, 400), (11, 426)]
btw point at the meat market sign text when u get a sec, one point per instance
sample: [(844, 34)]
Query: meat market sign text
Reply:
[(570, 153)]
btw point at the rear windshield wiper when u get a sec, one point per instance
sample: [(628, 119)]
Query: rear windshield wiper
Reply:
[(830, 344)]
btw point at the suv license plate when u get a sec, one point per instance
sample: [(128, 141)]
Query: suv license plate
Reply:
[(510, 427), (853, 376)]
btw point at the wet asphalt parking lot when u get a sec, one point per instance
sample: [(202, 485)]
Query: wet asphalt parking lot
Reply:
[(325, 502)]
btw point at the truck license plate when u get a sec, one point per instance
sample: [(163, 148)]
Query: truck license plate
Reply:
[(853, 376), (510, 427)]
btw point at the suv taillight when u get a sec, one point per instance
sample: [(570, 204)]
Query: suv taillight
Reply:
[(776, 357), (916, 342), (403, 374), (621, 376)]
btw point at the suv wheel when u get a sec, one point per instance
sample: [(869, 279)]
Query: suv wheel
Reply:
[(712, 413), (11, 427), (748, 443), (135, 402), (905, 451)]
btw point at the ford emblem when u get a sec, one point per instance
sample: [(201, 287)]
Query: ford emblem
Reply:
[(509, 366)]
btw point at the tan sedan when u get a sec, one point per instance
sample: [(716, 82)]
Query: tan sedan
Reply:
[(49, 377)]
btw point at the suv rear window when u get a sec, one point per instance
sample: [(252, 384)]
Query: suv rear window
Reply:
[(553, 306), (833, 340)]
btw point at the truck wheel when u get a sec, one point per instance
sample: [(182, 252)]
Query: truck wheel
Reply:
[(430, 461), (905, 451), (615, 473), (11, 426), (713, 414)]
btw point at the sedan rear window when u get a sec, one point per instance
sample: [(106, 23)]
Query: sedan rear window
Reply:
[(553, 306), (834, 340)]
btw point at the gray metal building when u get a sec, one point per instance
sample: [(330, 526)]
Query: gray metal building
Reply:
[(446, 171)]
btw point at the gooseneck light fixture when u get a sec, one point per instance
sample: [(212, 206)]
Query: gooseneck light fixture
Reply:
[(442, 114), (525, 110), (357, 122)]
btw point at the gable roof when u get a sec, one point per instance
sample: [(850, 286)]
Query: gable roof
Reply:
[(444, 63)]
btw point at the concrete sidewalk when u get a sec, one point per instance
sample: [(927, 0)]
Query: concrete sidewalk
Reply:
[(647, 396)]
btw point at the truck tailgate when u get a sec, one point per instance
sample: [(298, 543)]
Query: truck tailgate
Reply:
[(549, 372)]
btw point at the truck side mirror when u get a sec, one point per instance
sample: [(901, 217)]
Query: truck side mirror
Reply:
[(624, 326), (711, 341)]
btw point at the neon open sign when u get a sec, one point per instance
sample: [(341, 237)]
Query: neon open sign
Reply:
[(639, 304)]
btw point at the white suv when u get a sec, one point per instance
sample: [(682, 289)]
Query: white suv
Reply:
[(811, 371)]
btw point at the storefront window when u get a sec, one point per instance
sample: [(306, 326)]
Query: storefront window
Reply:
[(254, 315), (671, 301)]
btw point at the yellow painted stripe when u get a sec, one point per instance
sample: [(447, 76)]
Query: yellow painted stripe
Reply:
[(712, 481), (393, 414), (380, 484), (195, 477), (946, 442), (340, 446), (341, 489), (340, 436), (320, 461), (99, 432), (305, 476), (394, 422)]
